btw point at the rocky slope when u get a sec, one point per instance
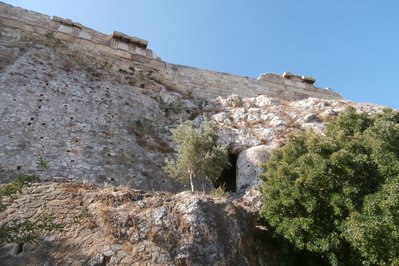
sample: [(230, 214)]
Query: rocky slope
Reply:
[(121, 226)]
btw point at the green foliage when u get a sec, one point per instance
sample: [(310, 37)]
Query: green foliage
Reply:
[(197, 153), (42, 163), (22, 231), (337, 195), (26, 231), (13, 188)]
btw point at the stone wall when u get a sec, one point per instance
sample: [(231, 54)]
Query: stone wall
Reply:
[(125, 51), (18, 22), (76, 104)]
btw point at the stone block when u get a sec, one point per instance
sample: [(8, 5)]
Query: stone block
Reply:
[(65, 29), (84, 35), (309, 80)]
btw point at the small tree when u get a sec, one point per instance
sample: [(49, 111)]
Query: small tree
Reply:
[(198, 154), (337, 195)]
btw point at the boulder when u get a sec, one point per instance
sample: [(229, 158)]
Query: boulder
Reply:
[(249, 165)]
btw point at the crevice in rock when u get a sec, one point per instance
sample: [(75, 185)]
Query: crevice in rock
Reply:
[(227, 179)]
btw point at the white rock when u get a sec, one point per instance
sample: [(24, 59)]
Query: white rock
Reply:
[(277, 122), (168, 97), (187, 104), (239, 114), (312, 117), (328, 113), (262, 101), (220, 117), (233, 101), (267, 116), (253, 118), (266, 133), (249, 165), (253, 110)]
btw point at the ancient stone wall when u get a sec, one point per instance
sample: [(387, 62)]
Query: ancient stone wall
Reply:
[(124, 51), (76, 104), (18, 22)]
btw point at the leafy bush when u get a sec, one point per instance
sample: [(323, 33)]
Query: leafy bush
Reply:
[(337, 195)]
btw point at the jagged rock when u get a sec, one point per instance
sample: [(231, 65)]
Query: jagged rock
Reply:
[(278, 122), (263, 101), (251, 200), (310, 118), (328, 113), (169, 97), (120, 226), (220, 117), (233, 101)]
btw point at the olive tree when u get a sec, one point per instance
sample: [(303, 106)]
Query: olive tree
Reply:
[(198, 154), (337, 194)]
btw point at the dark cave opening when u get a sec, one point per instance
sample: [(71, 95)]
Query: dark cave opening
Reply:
[(227, 179)]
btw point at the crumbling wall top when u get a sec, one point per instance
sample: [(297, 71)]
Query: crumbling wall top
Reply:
[(129, 39), (67, 22)]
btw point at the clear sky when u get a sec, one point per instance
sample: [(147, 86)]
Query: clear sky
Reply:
[(351, 46)]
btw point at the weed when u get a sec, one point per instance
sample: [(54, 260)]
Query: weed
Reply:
[(80, 60), (51, 41), (146, 126), (173, 108), (42, 163), (219, 192), (106, 64)]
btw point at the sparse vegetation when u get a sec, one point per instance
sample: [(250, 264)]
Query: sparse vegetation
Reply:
[(51, 41), (145, 126), (337, 195), (197, 153), (42, 163), (22, 231), (171, 108), (219, 192)]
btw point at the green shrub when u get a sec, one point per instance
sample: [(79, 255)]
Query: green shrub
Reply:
[(337, 195), (197, 153)]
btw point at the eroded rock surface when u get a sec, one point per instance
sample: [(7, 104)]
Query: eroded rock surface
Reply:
[(120, 226)]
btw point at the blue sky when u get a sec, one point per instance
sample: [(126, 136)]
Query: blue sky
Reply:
[(350, 46)]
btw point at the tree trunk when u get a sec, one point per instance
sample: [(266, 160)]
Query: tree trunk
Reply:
[(191, 182)]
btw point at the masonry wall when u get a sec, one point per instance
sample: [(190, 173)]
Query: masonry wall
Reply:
[(19, 23), (210, 84)]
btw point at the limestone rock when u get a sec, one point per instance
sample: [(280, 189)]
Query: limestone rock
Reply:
[(120, 226), (249, 165), (310, 118), (169, 97), (233, 101)]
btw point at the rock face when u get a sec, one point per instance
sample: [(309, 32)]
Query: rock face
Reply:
[(253, 126), (249, 165), (120, 226), (63, 119)]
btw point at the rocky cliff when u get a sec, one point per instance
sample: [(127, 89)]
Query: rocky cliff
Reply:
[(93, 112)]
